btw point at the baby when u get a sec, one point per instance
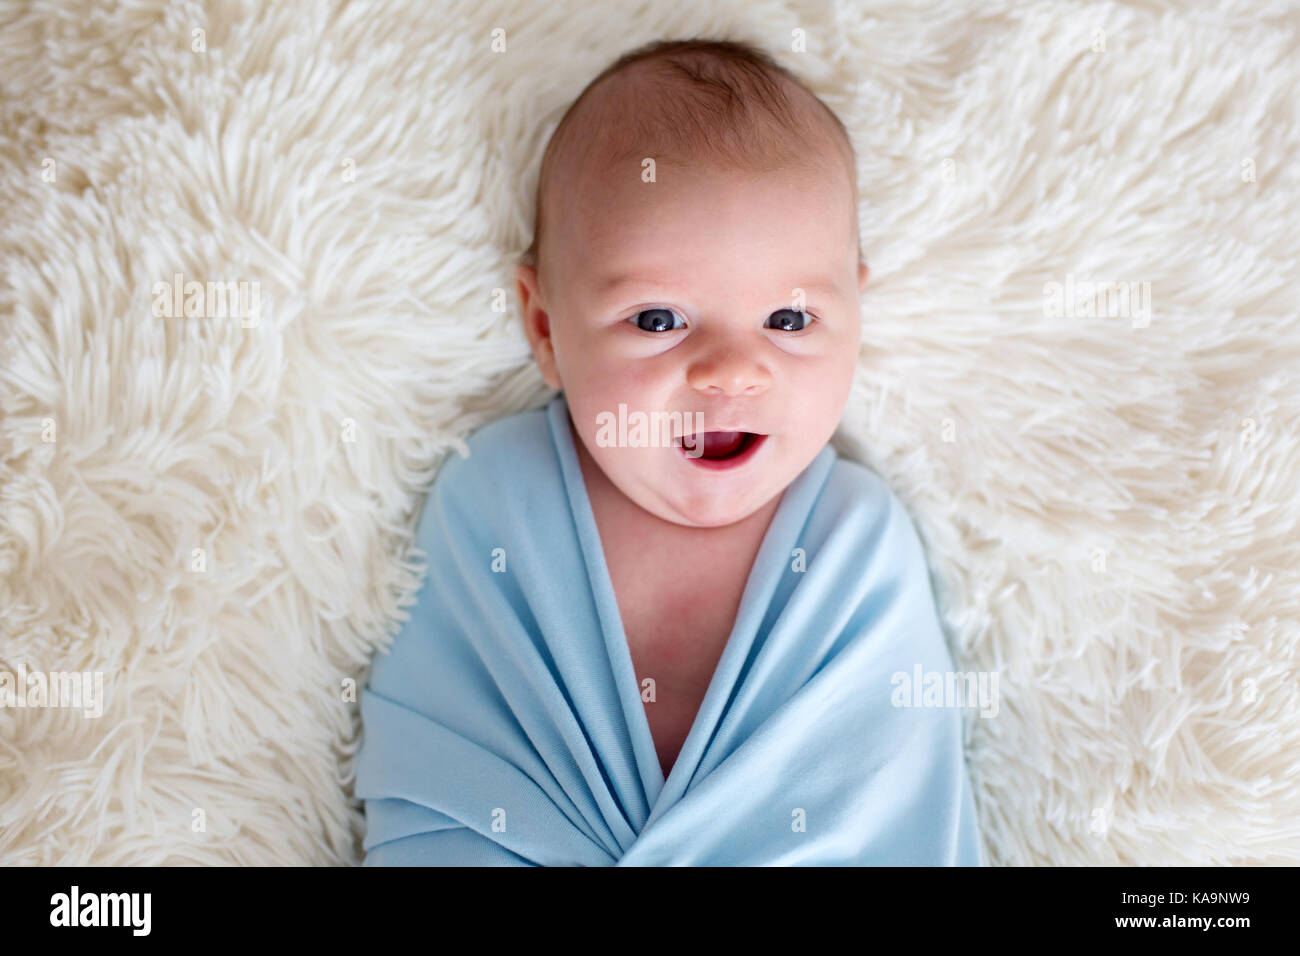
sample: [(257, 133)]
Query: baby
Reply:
[(696, 250), (696, 256)]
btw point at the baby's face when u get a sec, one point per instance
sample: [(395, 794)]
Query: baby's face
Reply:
[(681, 295)]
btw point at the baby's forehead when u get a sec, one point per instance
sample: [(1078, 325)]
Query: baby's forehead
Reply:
[(651, 116), (702, 232)]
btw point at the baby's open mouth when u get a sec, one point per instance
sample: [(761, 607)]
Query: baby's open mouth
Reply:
[(717, 446)]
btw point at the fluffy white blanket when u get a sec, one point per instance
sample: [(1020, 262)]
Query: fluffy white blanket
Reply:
[(1081, 372)]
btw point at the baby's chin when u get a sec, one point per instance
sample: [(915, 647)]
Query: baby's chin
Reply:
[(711, 518)]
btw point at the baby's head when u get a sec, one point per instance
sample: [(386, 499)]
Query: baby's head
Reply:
[(696, 252)]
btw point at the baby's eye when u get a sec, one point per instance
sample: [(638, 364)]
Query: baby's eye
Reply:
[(786, 316), (660, 320)]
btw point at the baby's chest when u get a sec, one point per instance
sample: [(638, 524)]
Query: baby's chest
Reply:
[(677, 614), (678, 648), (677, 624), (674, 655)]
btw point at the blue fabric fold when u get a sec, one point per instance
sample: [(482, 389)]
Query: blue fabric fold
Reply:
[(505, 724)]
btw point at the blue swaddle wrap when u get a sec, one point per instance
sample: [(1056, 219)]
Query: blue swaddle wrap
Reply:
[(506, 726)]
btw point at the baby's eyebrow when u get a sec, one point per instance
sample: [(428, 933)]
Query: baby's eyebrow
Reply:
[(609, 285), (819, 286)]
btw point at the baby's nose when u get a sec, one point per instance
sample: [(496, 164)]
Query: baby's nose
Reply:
[(729, 369)]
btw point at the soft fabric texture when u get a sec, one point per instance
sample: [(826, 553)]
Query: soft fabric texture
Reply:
[(1109, 511), (506, 724)]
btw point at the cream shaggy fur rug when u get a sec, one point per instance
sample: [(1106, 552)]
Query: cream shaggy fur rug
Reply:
[(215, 513)]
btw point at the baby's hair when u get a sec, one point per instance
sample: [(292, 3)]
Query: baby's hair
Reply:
[(722, 101)]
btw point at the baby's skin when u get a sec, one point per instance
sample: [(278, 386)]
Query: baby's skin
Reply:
[(722, 298), (730, 298), (724, 294)]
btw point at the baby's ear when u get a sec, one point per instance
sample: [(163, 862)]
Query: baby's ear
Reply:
[(525, 286), (537, 324), (863, 272)]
